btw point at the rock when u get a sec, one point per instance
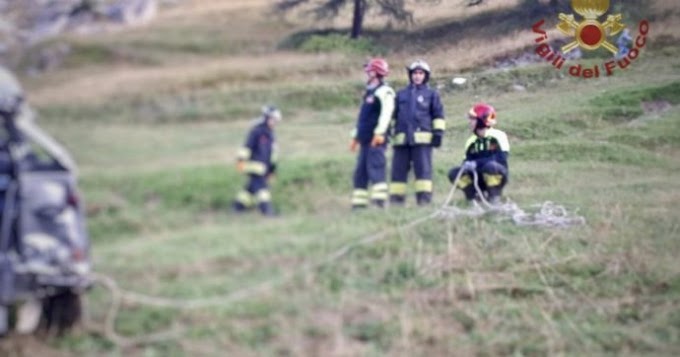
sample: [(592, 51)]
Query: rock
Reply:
[(49, 58), (519, 87), (459, 81), (24, 24), (132, 12)]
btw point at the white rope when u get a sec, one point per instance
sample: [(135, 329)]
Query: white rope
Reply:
[(549, 214), (119, 295)]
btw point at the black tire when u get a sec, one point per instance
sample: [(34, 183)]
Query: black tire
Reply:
[(60, 313)]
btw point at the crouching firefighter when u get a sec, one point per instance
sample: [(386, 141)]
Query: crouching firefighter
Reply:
[(486, 153), (369, 137), (418, 127), (257, 159)]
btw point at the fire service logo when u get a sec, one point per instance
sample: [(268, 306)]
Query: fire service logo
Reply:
[(591, 34)]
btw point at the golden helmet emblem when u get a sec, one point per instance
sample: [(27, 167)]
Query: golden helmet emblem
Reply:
[(590, 9)]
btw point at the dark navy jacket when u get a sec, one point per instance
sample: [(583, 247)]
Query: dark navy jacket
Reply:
[(259, 151), (375, 113), (494, 146), (419, 114)]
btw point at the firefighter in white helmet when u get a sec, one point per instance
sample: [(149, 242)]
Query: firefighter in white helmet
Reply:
[(257, 159), (418, 127)]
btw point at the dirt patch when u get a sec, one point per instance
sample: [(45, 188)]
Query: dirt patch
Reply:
[(27, 346), (656, 107)]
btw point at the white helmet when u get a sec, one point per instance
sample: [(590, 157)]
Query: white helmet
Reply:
[(419, 64), (422, 65), (11, 94), (270, 111)]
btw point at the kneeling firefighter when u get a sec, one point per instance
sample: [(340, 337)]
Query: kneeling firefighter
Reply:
[(486, 153)]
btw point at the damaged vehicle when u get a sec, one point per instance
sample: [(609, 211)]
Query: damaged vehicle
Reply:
[(44, 246)]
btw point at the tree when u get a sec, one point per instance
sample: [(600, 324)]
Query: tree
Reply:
[(325, 9)]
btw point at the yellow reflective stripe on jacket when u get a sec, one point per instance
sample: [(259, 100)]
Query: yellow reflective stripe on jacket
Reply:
[(470, 141), (256, 168), (501, 137), (353, 133), (422, 137), (243, 153), (423, 185), (399, 139), (398, 188), (386, 96), (439, 124)]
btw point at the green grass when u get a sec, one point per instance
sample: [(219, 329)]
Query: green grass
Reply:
[(158, 178), (491, 288)]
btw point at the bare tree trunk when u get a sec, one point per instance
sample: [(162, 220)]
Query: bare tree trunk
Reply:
[(357, 19)]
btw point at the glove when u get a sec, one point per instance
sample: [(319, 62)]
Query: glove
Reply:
[(240, 166), (469, 166), (353, 145), (437, 140), (377, 140)]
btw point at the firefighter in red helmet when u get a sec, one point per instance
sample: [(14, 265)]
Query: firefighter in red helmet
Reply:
[(369, 137), (486, 153)]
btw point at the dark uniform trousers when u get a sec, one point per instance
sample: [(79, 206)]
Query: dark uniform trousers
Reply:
[(257, 193), (370, 174), (491, 178), (421, 157)]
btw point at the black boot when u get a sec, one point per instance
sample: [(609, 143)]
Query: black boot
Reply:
[(397, 200), (470, 192), (239, 207), (267, 209), (423, 198), (494, 195)]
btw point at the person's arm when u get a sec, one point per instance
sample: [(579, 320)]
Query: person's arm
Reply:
[(386, 96), (503, 146), (437, 110), (438, 121), (246, 151)]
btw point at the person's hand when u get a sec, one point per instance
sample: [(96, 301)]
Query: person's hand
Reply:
[(378, 140), (353, 145), (469, 166), (437, 140), (271, 178), (240, 166)]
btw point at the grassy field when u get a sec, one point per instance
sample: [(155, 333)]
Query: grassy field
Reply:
[(154, 117)]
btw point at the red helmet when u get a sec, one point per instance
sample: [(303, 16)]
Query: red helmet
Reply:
[(485, 115), (379, 66)]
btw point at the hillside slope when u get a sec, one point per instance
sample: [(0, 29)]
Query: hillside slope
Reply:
[(154, 116)]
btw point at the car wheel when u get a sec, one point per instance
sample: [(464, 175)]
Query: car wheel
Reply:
[(61, 312)]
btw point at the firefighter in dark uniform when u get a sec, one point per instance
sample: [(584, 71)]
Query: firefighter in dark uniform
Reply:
[(418, 127), (486, 153), (257, 159), (369, 137)]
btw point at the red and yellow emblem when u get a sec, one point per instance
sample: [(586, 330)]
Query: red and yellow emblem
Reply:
[(590, 33)]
